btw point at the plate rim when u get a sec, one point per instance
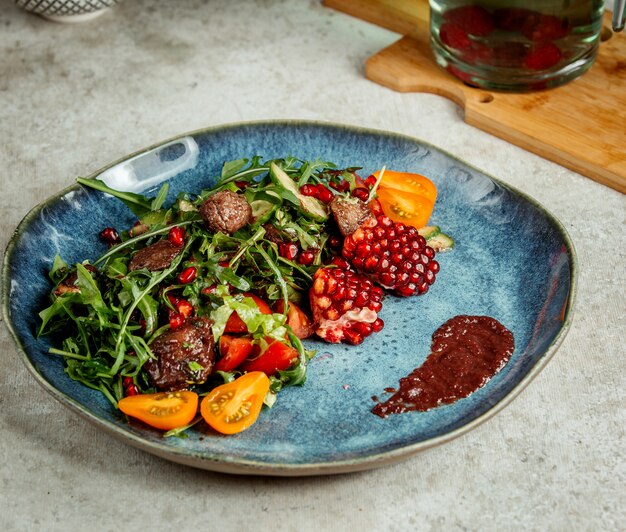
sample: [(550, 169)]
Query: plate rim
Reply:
[(220, 463)]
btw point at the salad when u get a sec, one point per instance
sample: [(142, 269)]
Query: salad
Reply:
[(206, 301)]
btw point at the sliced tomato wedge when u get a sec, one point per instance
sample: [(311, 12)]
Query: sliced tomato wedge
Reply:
[(233, 407), (300, 323), (164, 410), (407, 182), (234, 351), (236, 325), (277, 356), (409, 209)]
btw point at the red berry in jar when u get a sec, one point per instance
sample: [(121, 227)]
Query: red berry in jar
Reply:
[(176, 236), (454, 37), (110, 236), (543, 56), (188, 275), (472, 19)]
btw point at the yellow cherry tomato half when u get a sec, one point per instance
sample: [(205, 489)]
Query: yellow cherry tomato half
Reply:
[(163, 410), (234, 406), (410, 183), (406, 208)]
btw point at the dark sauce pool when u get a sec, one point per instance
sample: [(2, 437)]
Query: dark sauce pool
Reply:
[(467, 351)]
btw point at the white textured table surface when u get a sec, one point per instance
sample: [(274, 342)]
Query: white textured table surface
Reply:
[(75, 97)]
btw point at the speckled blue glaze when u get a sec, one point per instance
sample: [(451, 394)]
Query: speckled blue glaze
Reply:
[(512, 261)]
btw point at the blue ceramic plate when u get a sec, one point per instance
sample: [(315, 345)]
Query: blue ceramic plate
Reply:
[(512, 261)]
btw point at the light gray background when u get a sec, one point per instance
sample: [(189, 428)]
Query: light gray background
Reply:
[(73, 98)]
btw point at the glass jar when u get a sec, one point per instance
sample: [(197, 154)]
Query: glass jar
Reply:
[(515, 45)]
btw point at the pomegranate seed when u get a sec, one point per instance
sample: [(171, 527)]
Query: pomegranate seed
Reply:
[(127, 381), (376, 207), (362, 299), (341, 263), (331, 314), (363, 328), (376, 306), (361, 193), (207, 291), (138, 228), (188, 275), (185, 308), (363, 250), (288, 251), (347, 305), (353, 337), (176, 236), (110, 236), (308, 190), (173, 299), (242, 184), (323, 194), (306, 258), (433, 266), (370, 263), (131, 390), (340, 186), (334, 241), (429, 277), (378, 325), (430, 252), (370, 181), (176, 320)]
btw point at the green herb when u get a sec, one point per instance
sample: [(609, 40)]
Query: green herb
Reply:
[(104, 324)]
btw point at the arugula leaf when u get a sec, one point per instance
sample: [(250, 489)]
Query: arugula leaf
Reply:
[(135, 202), (230, 168), (59, 269), (89, 291), (160, 198)]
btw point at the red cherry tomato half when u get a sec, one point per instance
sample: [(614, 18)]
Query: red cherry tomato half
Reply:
[(300, 323), (234, 351), (276, 357), (236, 325)]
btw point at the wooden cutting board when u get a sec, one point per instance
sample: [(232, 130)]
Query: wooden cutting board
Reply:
[(581, 125)]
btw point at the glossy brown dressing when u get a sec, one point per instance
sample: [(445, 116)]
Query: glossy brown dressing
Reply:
[(467, 351)]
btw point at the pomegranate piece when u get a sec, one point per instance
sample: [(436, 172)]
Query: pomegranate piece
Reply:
[(474, 20), (345, 305), (393, 255)]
